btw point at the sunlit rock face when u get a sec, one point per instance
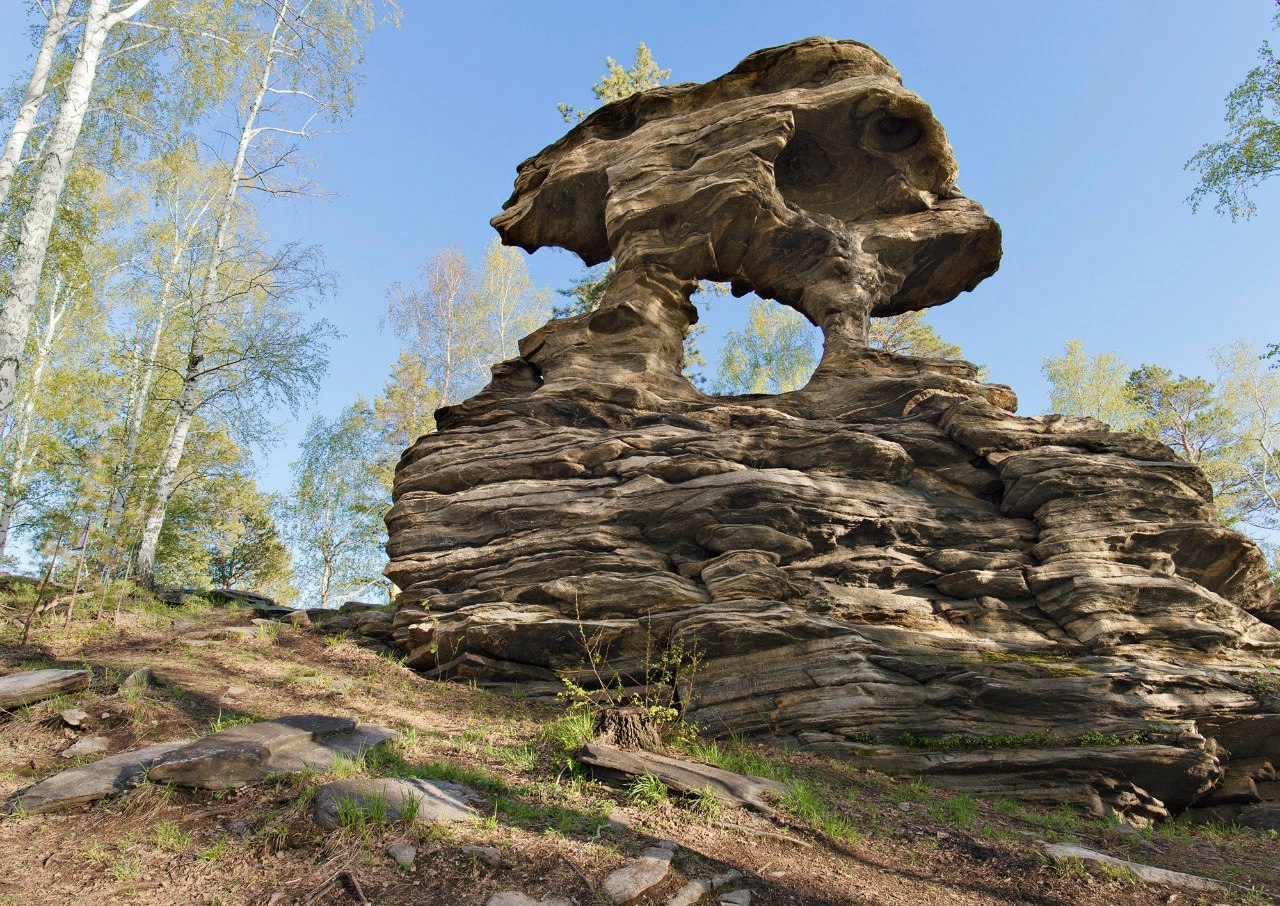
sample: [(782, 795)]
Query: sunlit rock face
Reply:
[(888, 550)]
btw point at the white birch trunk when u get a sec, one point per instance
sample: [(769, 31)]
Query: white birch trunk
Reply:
[(189, 400), (31, 101), (37, 224), (22, 437)]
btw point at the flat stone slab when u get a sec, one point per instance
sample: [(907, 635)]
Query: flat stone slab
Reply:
[(389, 799), (639, 875), (86, 745), (248, 754), (90, 782), (1148, 873), (30, 686), (516, 898)]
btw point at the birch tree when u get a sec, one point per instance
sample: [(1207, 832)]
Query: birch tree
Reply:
[(1092, 386), (332, 517), (100, 18), (438, 319), (773, 353), (36, 92), (301, 72)]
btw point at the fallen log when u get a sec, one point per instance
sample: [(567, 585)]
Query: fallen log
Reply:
[(688, 777)]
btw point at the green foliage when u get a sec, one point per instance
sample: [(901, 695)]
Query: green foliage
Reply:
[(1230, 427), (647, 791), (910, 334), (804, 803), (773, 353), (1250, 154), (1032, 739), (222, 722), (1090, 386), (332, 517), (1097, 738), (618, 83)]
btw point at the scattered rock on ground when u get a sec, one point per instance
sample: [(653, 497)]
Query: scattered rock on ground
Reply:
[(489, 855), (73, 717), (402, 854), (88, 745), (90, 782), (516, 898), (142, 678), (740, 897), (31, 686), (640, 874), (393, 799)]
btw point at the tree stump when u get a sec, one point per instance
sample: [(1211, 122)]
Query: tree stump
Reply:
[(629, 728)]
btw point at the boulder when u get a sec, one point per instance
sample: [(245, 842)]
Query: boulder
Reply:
[(29, 686)]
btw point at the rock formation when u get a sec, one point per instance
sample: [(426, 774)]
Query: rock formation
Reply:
[(889, 550)]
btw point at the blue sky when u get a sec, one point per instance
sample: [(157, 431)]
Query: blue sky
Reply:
[(1071, 123)]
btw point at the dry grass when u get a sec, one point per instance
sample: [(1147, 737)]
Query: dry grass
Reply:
[(854, 836)]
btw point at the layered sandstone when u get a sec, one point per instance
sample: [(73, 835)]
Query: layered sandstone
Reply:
[(888, 550)]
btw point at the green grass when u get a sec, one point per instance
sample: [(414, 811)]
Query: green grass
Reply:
[(522, 757), (215, 852), (806, 806), (1034, 739), (572, 730), (1096, 738), (172, 838), (958, 811), (647, 791), (220, 723)]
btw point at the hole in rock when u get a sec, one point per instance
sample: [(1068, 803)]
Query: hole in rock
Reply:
[(755, 345)]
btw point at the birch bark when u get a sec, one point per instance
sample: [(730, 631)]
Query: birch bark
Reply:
[(34, 97), (37, 224), (22, 436)]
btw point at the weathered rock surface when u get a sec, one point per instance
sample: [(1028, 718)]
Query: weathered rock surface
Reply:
[(1148, 873), (90, 782), (888, 550), (248, 754), (393, 799), (18, 689), (641, 874)]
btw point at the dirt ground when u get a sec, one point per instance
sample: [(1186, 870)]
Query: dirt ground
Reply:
[(853, 836)]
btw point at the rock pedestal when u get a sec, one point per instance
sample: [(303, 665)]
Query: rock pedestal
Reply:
[(889, 550)]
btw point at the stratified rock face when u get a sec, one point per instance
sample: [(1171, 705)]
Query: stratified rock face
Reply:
[(889, 549)]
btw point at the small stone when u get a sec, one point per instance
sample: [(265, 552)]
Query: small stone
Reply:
[(235, 691), (106, 715), (516, 898), (402, 854), (142, 678), (73, 717), (89, 745), (740, 897), (639, 875), (691, 893), (489, 855), (904, 806), (724, 880)]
